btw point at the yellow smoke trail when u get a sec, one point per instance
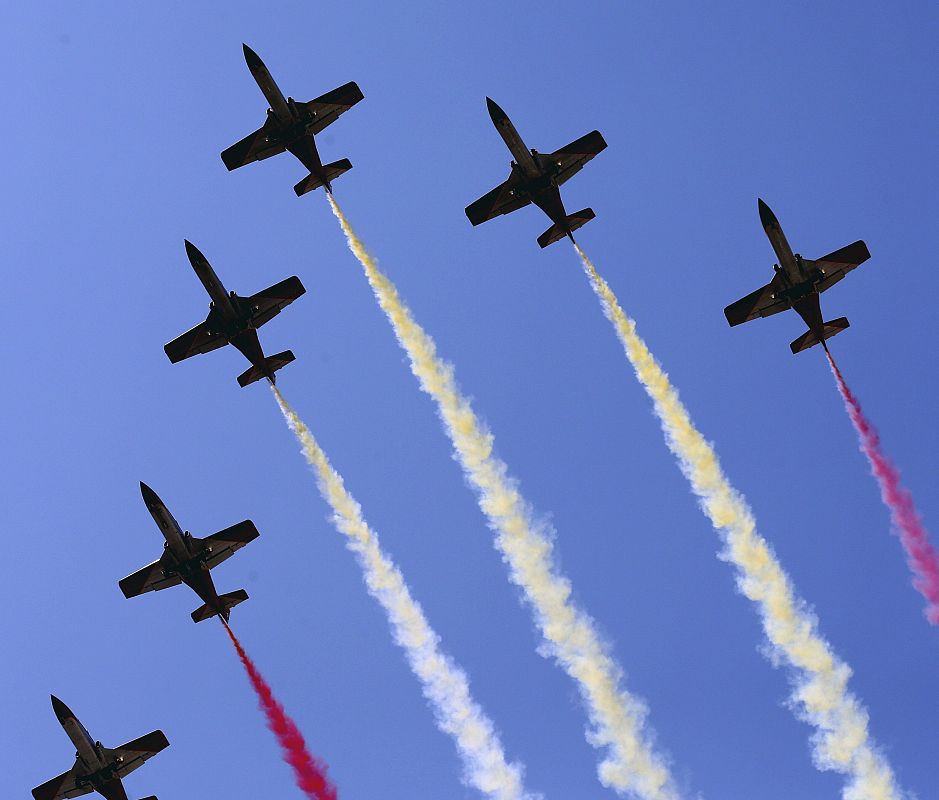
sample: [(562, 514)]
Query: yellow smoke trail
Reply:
[(841, 739), (618, 719), (445, 685)]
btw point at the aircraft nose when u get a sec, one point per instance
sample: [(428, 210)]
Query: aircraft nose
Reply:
[(251, 58), (149, 496), (193, 253), (767, 217), (495, 112), (61, 710)]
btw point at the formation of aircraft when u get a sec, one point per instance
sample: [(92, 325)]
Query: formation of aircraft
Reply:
[(534, 178), (188, 559), (234, 320), (97, 768), (292, 126), (797, 284)]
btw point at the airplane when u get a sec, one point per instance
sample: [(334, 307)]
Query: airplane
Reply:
[(292, 126), (234, 320), (97, 768), (188, 559), (535, 178), (797, 284)]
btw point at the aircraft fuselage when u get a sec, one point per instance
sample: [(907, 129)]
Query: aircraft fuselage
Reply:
[(188, 565), (100, 774)]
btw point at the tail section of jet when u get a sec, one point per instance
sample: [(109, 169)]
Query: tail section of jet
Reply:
[(329, 173), (227, 602), (558, 231), (271, 365), (810, 338)]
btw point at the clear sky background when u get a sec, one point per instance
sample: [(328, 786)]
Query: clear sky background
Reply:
[(115, 117)]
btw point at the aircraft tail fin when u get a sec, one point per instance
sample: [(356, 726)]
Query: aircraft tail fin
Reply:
[(271, 365), (329, 174), (808, 339), (574, 221), (229, 601)]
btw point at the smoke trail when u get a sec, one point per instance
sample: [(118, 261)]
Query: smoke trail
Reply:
[(630, 763), (445, 685), (821, 696), (310, 771), (921, 555)]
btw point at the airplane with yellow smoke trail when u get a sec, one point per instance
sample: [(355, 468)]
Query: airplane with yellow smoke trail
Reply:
[(535, 178), (797, 284)]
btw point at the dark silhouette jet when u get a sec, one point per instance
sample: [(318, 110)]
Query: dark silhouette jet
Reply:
[(187, 559), (97, 768), (797, 284), (291, 126), (234, 320), (535, 178)]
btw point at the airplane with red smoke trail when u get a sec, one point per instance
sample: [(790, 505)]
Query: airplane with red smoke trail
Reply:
[(797, 284), (535, 178), (188, 559), (97, 768), (235, 320), (292, 126)]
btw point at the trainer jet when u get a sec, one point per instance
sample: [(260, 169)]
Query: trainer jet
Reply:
[(188, 559), (535, 178), (97, 768), (291, 126), (797, 284), (234, 320)]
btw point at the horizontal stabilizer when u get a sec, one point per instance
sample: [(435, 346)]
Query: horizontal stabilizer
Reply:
[(271, 365), (572, 223), (229, 601), (809, 339), (329, 174)]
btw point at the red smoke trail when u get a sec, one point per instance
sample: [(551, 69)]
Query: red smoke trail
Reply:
[(922, 557), (310, 771)]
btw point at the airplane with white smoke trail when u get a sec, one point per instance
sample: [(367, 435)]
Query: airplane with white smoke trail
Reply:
[(797, 284), (97, 768), (535, 178), (234, 320), (292, 126), (188, 559)]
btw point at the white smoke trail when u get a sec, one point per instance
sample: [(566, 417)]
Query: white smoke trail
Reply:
[(630, 763), (445, 685), (841, 739)]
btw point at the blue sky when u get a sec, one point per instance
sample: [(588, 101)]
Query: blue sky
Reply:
[(115, 119)]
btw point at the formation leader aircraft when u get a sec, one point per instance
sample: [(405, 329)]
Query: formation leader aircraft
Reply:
[(292, 126), (797, 284), (188, 559), (234, 320), (97, 768), (535, 178)]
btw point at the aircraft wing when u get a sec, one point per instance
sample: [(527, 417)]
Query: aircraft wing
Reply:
[(327, 108), (194, 342), (270, 302), (761, 303), (570, 160), (838, 264), (133, 754), (254, 147), (150, 579), (63, 786), (220, 546), (501, 200)]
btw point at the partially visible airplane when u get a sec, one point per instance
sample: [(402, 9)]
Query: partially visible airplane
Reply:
[(234, 320), (535, 178), (291, 126), (187, 559), (97, 768), (797, 284)]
